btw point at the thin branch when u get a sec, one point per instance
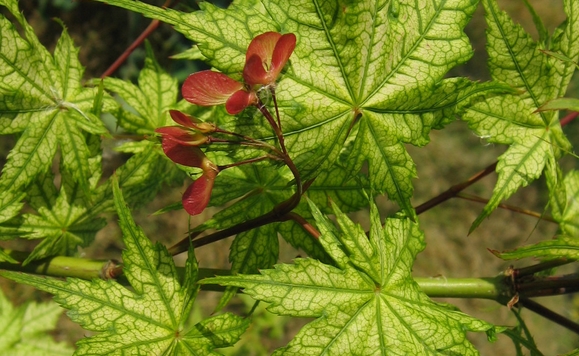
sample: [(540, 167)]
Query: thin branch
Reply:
[(539, 267), (516, 209), (309, 228), (136, 43), (549, 314), (454, 190), (568, 118)]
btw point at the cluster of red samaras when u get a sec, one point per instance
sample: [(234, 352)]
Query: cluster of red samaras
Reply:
[(266, 56)]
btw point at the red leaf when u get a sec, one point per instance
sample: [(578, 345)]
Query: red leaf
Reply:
[(207, 88), (239, 101), (182, 136), (254, 73), (197, 196), (183, 119), (282, 52), (266, 56), (189, 156)]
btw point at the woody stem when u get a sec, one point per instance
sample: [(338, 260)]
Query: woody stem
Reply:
[(286, 158), (274, 125)]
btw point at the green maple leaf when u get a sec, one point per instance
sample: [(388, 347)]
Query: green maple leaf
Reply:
[(151, 319), (565, 207), (261, 190), (149, 102), (24, 330), (42, 99), (373, 69), (535, 138), (369, 304), (59, 219), (141, 110)]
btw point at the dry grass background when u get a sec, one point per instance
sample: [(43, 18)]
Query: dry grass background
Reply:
[(453, 155)]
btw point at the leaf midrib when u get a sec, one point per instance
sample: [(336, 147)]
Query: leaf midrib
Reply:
[(491, 9), (407, 55)]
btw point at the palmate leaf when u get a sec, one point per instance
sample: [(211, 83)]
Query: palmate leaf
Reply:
[(144, 108), (151, 319), (565, 206), (24, 330), (149, 102), (262, 189), (535, 138), (42, 99), (378, 65), (367, 305), (59, 219)]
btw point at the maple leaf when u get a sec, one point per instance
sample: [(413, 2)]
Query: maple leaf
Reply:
[(60, 218), (375, 67), (534, 138), (42, 99), (565, 207), (152, 318), (140, 110), (368, 303), (24, 330)]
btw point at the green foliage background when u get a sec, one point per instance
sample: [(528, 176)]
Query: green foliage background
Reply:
[(447, 160)]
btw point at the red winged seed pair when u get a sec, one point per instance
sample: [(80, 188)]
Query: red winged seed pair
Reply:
[(266, 56)]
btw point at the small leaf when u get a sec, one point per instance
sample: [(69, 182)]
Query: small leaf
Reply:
[(560, 104), (59, 218), (535, 138), (149, 102), (25, 330), (562, 246)]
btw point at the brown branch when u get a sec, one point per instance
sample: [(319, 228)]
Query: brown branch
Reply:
[(136, 43), (516, 209), (454, 190), (309, 228), (549, 314), (539, 267)]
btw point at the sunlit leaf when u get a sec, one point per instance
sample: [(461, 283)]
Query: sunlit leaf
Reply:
[(369, 303), (149, 319), (375, 64), (59, 218), (42, 99), (534, 137)]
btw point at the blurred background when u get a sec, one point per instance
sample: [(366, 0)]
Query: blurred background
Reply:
[(103, 32)]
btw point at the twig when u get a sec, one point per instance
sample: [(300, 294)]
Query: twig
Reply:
[(454, 190), (310, 229), (539, 267), (549, 314), (136, 43), (516, 209)]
